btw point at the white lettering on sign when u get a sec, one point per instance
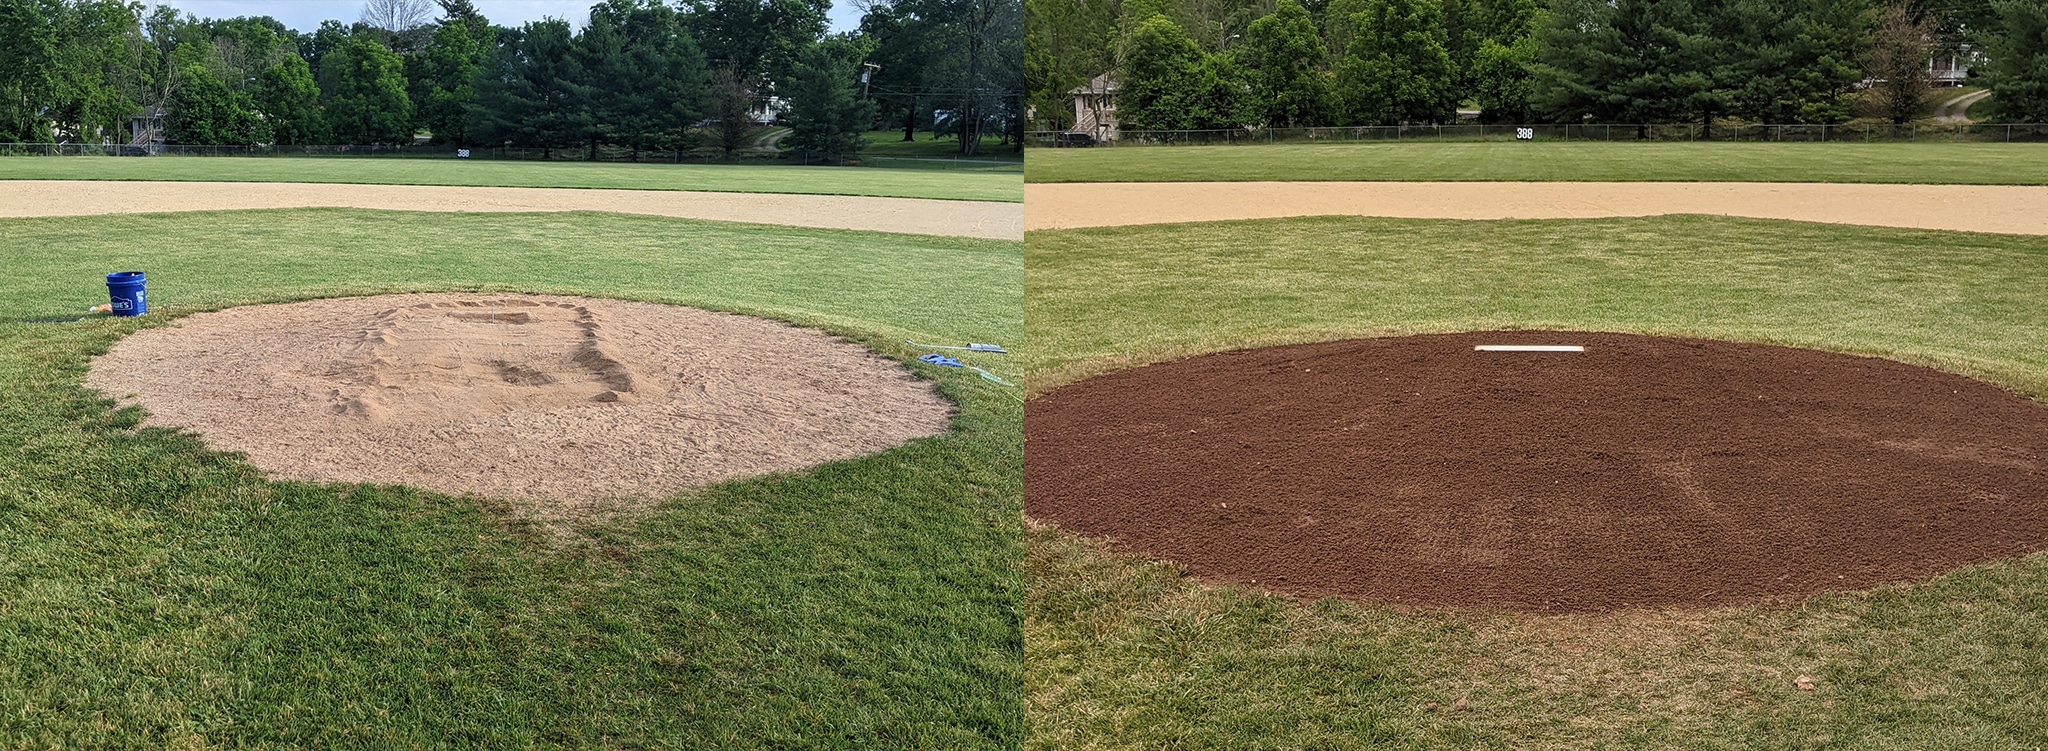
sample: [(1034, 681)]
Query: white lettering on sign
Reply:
[(462, 153), (1525, 134)]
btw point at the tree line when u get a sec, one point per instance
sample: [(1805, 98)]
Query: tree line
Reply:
[(1208, 64), (638, 74)]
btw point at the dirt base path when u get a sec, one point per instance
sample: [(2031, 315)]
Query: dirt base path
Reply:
[(917, 216), (1977, 208), (1642, 472)]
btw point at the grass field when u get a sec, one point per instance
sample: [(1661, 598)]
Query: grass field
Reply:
[(891, 143), (1573, 161), (156, 595), (741, 178), (1125, 653)]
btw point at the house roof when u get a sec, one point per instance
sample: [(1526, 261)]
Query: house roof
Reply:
[(1101, 84)]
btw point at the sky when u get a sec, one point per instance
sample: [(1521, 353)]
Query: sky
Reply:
[(306, 15)]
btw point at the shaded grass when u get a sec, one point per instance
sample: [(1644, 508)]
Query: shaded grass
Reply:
[(739, 178), (154, 594), (1563, 161), (1981, 110), (1956, 662), (891, 143)]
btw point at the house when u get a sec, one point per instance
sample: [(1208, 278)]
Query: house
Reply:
[(147, 127), (1095, 108), (766, 110), (1952, 69)]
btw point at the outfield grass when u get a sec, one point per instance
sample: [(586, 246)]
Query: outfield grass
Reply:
[(154, 594), (741, 178), (1957, 163), (1125, 653)]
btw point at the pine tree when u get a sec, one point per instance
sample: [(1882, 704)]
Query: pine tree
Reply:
[(826, 115), (1635, 61), (646, 77), (531, 93), (2018, 71)]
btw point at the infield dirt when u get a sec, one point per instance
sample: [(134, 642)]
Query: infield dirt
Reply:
[(918, 216), (2012, 209), (1644, 472)]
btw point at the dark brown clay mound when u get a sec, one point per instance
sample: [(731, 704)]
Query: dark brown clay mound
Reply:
[(1643, 472)]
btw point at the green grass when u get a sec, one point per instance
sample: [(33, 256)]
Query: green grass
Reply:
[(742, 178), (1125, 653), (1980, 110), (891, 143), (1942, 96), (1960, 163), (154, 594)]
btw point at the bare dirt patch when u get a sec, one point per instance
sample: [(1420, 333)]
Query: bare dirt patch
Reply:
[(1643, 472), (2011, 209), (561, 402), (918, 216)]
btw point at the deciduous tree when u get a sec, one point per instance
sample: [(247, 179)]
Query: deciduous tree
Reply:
[(290, 103), (369, 103), (1283, 54), (1897, 63), (442, 81), (1396, 69), (27, 55), (1169, 83), (732, 103), (203, 110)]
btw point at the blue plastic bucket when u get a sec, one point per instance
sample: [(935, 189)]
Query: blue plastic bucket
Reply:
[(125, 287)]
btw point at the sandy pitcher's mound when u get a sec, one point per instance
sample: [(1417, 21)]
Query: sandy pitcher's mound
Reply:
[(564, 399), (1645, 471)]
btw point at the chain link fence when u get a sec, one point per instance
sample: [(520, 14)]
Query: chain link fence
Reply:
[(503, 153), (1936, 132)]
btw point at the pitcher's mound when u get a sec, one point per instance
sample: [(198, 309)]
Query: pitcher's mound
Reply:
[(1643, 471), (516, 396)]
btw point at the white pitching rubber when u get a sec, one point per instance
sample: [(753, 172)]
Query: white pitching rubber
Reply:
[(1529, 348)]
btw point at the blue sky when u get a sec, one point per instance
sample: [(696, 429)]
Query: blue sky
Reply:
[(305, 15)]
